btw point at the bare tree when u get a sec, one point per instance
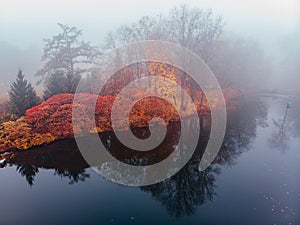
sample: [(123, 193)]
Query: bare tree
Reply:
[(195, 29), (66, 54), (192, 28)]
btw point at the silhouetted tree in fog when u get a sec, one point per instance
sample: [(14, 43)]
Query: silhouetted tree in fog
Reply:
[(65, 57), (193, 28), (56, 83), (22, 95)]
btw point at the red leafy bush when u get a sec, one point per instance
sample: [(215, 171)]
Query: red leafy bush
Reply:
[(52, 119), (55, 115)]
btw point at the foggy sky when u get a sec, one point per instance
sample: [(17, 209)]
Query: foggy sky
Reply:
[(24, 24)]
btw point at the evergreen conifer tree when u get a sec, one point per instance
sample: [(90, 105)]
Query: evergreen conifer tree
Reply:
[(22, 95)]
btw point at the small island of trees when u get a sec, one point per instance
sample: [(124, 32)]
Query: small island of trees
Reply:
[(29, 120)]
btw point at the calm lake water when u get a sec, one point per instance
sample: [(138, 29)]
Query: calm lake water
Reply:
[(254, 179)]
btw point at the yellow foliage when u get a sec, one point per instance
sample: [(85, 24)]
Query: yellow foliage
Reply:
[(96, 130), (18, 134)]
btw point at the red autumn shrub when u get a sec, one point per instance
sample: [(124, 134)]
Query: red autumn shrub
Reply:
[(52, 119), (55, 115)]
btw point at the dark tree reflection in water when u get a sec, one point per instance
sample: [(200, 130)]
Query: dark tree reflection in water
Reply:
[(29, 172), (182, 193), (66, 162), (280, 137), (242, 126), (285, 127), (74, 176)]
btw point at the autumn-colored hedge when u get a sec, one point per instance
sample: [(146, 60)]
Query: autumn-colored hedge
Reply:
[(52, 119), (19, 135), (55, 115)]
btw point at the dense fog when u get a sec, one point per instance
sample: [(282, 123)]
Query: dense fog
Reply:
[(242, 53)]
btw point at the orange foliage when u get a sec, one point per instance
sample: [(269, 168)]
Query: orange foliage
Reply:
[(55, 115), (5, 114), (52, 119), (18, 134), (148, 108)]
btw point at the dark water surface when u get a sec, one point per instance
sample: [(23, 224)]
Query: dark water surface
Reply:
[(254, 179)]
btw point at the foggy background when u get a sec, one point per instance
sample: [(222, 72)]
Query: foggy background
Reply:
[(266, 31)]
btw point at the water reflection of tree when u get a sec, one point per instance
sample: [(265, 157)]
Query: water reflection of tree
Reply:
[(74, 176), (279, 140), (295, 118), (29, 172), (286, 127), (241, 130), (66, 162), (182, 193)]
